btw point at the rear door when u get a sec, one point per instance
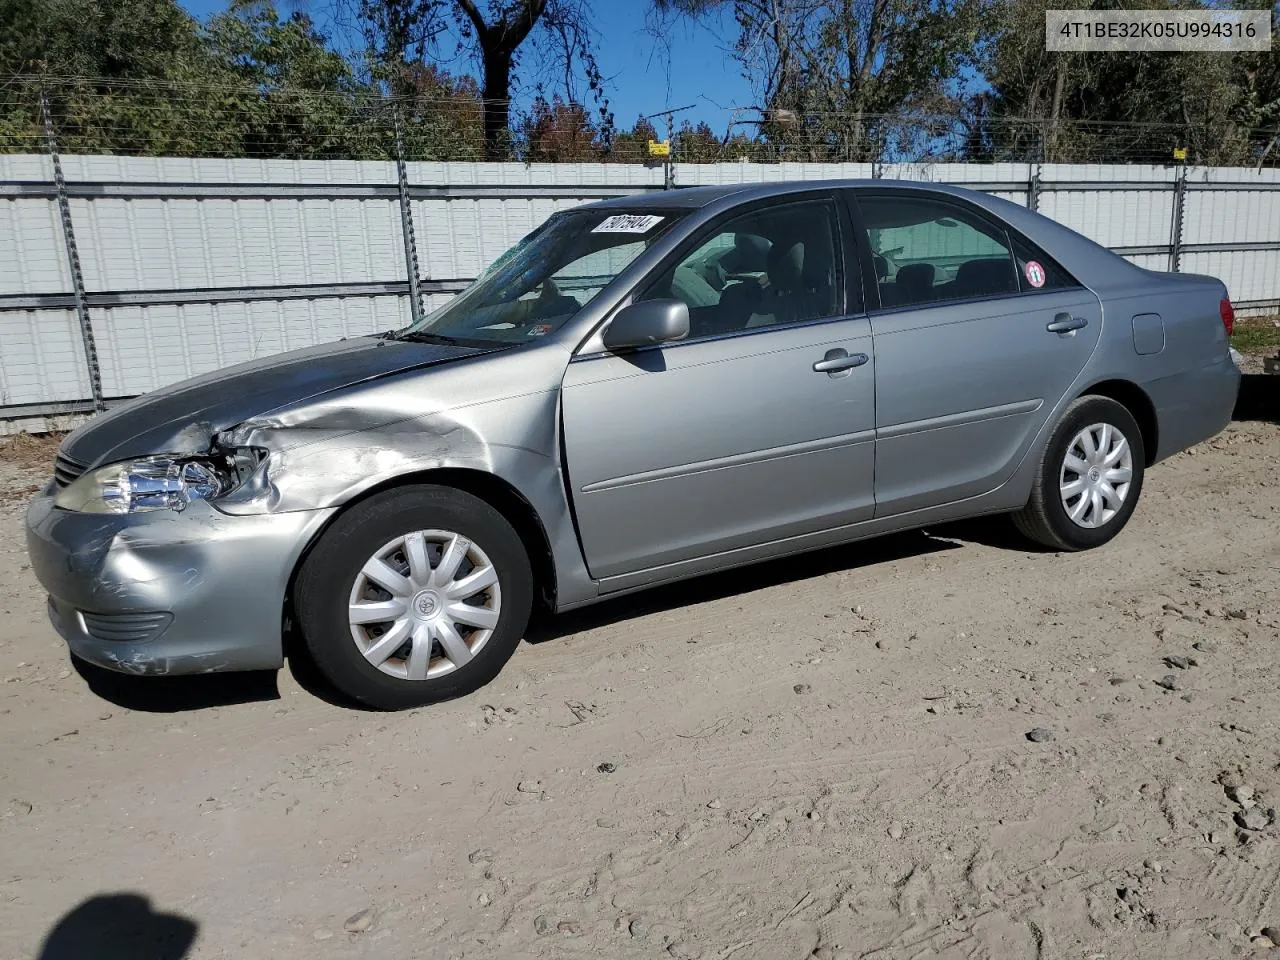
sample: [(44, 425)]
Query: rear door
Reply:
[(758, 427), (977, 337)]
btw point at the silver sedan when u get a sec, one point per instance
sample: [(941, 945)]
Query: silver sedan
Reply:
[(641, 390)]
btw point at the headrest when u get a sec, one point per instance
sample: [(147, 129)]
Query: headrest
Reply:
[(749, 255), (786, 265), (985, 277), (916, 276)]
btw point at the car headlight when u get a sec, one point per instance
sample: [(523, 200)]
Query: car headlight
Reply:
[(156, 483)]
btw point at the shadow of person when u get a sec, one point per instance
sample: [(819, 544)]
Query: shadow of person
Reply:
[(119, 926)]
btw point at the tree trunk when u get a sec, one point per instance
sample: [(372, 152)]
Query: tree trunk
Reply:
[(498, 43), (1055, 110), (497, 104), (859, 85)]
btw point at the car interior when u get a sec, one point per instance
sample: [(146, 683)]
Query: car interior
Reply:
[(775, 266), (925, 251)]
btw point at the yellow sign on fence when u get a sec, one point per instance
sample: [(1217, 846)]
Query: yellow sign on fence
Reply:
[(659, 148), (1179, 153)]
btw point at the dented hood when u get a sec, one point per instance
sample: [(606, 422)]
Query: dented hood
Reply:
[(182, 418)]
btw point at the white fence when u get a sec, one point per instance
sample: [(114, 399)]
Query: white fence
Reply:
[(192, 264)]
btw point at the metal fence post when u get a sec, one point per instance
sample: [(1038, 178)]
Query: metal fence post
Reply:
[(1175, 239), (73, 256), (406, 225), (1035, 170), (668, 171)]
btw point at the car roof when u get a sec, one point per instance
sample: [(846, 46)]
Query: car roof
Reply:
[(680, 197), (693, 198)]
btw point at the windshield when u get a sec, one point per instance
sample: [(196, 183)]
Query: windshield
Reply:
[(539, 284)]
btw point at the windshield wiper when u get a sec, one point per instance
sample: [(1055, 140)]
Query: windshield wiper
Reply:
[(422, 336)]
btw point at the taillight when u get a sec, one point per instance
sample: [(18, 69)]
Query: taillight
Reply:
[(1228, 314)]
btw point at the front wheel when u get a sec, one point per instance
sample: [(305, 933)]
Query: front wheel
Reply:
[(416, 595), (1089, 479)]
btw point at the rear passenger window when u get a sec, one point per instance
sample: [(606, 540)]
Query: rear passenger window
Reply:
[(776, 265), (1038, 272), (925, 251)]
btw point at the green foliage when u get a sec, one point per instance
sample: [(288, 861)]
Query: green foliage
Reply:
[(1256, 335), (696, 144), (633, 144), (143, 77), (1129, 104), (116, 43), (834, 80), (107, 39), (441, 114), (560, 132)]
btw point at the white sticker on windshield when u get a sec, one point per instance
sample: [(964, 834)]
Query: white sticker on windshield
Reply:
[(627, 223)]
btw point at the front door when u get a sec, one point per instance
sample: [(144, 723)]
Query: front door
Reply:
[(977, 338), (758, 427)]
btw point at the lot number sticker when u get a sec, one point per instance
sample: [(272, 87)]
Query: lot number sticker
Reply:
[(627, 223), (1035, 273)]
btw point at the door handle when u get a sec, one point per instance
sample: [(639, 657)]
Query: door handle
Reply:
[(838, 360), (1065, 323)]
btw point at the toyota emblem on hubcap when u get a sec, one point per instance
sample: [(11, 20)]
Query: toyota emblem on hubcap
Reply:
[(425, 604)]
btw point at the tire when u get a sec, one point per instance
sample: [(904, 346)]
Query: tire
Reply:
[(351, 619), (1046, 518)]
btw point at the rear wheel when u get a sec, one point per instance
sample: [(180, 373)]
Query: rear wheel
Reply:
[(416, 595), (1089, 479)]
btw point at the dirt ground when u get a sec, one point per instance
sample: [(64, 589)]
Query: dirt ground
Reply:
[(826, 757)]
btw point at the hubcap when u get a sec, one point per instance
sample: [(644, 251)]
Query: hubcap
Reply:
[(1096, 474), (424, 604)]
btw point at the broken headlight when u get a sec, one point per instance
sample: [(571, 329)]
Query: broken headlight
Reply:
[(156, 483)]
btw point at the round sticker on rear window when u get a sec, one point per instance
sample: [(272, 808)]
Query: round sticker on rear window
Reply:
[(1035, 273)]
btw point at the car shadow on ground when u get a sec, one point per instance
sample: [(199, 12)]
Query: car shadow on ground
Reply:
[(305, 673), (175, 694), (716, 586), (119, 926), (1259, 398)]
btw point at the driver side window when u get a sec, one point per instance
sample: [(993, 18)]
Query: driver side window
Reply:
[(773, 266)]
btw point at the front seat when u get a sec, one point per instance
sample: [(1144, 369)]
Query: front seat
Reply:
[(785, 300), (915, 283), (985, 278)]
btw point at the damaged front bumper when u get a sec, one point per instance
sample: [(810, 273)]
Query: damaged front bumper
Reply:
[(169, 592)]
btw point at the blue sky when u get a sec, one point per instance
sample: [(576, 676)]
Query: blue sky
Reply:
[(644, 74)]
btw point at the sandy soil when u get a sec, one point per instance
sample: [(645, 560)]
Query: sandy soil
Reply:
[(826, 757)]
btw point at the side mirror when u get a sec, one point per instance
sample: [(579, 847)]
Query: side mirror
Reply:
[(647, 322)]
